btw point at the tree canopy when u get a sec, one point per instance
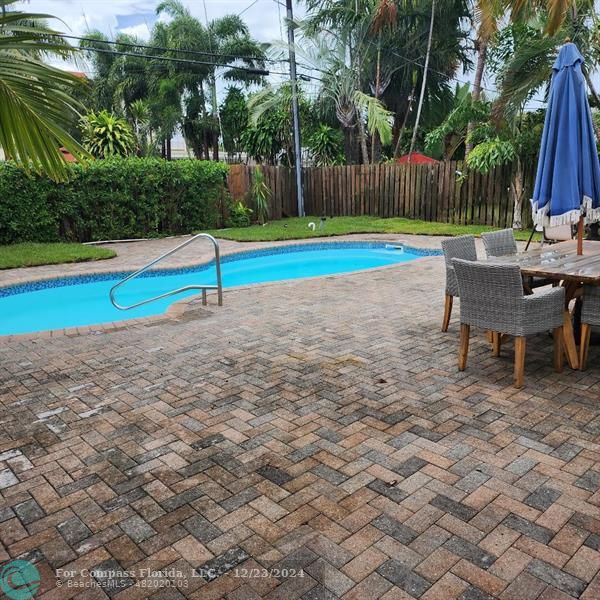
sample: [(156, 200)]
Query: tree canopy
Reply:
[(475, 71)]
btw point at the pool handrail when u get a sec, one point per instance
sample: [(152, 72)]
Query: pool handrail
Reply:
[(203, 287)]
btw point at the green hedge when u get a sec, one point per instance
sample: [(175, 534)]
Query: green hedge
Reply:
[(112, 199)]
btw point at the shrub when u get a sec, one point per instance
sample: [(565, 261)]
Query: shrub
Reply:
[(112, 199), (106, 135), (260, 194), (326, 146), (239, 215), (25, 213)]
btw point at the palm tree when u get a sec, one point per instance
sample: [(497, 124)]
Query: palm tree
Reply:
[(487, 14), (37, 102), (177, 93), (230, 39), (556, 11), (384, 20), (533, 50), (119, 80), (224, 41), (424, 80), (341, 93)]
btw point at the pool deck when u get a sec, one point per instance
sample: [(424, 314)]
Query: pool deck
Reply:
[(317, 425)]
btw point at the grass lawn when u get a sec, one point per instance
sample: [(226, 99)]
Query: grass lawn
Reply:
[(297, 228), (30, 254)]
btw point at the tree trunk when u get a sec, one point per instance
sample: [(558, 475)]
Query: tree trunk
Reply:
[(482, 47), (517, 190), (205, 146), (424, 82), (348, 145), (216, 115), (375, 137), (168, 148), (404, 121), (215, 147), (594, 94), (362, 136)]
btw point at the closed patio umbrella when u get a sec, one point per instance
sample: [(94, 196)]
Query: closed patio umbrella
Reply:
[(567, 183)]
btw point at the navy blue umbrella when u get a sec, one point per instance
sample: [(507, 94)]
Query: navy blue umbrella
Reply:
[(567, 184)]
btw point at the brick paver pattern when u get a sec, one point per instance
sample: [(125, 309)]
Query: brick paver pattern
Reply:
[(307, 440)]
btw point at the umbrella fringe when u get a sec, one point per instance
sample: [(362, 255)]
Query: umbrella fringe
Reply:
[(541, 218)]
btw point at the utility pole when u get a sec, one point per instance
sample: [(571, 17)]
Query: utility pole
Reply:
[(295, 112)]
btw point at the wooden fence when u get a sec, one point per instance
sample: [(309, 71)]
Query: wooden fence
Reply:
[(441, 192)]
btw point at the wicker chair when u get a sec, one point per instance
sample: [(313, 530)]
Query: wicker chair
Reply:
[(491, 297), (499, 243), (503, 243), (590, 317), (458, 247)]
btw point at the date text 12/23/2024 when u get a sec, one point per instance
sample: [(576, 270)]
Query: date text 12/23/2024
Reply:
[(151, 578)]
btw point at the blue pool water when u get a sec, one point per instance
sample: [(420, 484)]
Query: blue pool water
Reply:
[(84, 300)]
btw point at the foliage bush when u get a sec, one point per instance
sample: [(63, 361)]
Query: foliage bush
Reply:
[(106, 135), (112, 199), (326, 146), (260, 194), (239, 215)]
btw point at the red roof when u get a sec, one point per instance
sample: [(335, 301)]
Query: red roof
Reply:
[(418, 159), (67, 155)]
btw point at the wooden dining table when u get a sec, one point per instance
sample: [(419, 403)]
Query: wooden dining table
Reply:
[(560, 263)]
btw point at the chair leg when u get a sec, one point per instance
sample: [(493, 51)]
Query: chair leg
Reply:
[(557, 358), (465, 331), (584, 346), (496, 343), (520, 344), (447, 312)]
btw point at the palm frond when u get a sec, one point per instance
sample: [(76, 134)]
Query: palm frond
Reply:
[(36, 105), (263, 101), (528, 71), (487, 14), (173, 8), (557, 13), (34, 109), (379, 119)]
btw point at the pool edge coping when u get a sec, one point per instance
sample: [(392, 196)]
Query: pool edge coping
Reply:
[(179, 307), (226, 257)]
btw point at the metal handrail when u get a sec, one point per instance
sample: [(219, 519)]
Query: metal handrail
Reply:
[(217, 287)]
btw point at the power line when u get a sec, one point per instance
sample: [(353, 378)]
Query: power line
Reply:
[(454, 77), (247, 8), (250, 70), (164, 49), (183, 60)]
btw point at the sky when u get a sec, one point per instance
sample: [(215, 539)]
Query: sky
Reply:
[(263, 17), (137, 16)]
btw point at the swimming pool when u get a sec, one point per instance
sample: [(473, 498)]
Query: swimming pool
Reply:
[(84, 300)]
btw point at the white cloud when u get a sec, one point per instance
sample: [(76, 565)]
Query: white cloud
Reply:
[(263, 18), (137, 16), (140, 31)]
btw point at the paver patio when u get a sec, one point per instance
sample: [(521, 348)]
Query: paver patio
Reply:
[(319, 426)]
